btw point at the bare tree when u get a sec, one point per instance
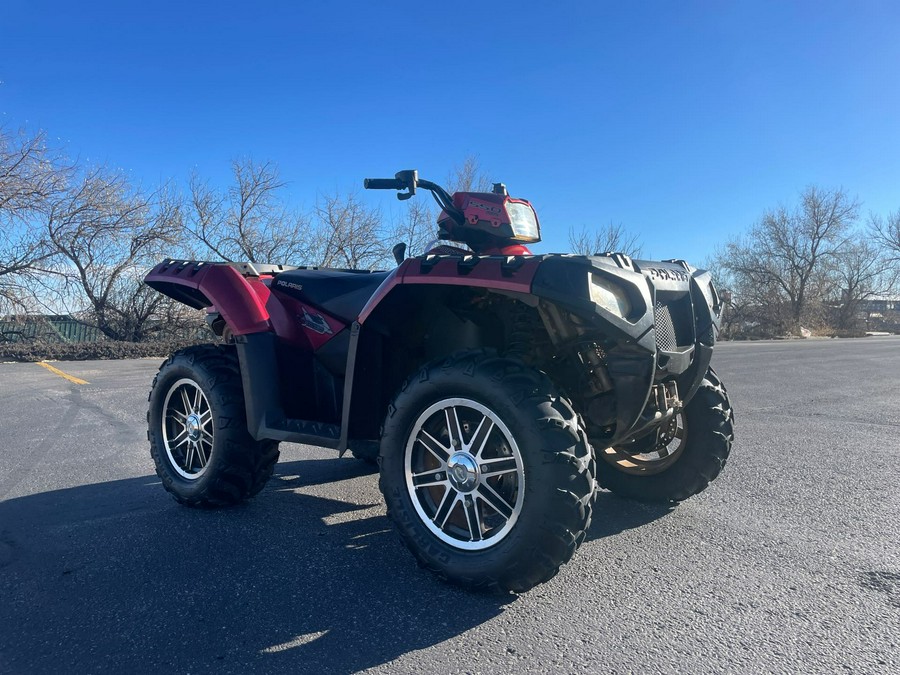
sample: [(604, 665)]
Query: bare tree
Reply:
[(248, 221), (790, 255), (886, 231), (863, 271), (468, 177), (609, 238), (758, 310), (349, 234), (106, 234), (416, 227), (30, 175)]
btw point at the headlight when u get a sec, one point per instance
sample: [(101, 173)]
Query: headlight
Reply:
[(609, 296), (523, 222)]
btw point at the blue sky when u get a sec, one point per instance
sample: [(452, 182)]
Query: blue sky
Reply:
[(683, 121)]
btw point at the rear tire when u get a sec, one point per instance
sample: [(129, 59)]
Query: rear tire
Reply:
[(197, 428), (487, 472), (705, 434)]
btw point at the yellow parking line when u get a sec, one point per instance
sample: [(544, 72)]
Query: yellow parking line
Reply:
[(70, 378)]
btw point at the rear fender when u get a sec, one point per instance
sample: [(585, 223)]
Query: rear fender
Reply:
[(240, 301)]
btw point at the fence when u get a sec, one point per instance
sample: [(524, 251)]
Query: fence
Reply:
[(47, 329)]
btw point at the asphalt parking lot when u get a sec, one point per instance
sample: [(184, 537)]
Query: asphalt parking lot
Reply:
[(790, 562)]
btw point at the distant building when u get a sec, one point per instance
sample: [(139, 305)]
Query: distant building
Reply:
[(880, 313)]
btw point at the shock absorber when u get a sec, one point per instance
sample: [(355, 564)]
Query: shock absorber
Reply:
[(520, 335)]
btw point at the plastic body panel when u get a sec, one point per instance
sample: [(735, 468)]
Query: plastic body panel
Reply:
[(508, 273), (255, 305), (247, 304), (241, 302)]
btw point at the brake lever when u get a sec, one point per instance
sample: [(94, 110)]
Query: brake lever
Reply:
[(410, 177)]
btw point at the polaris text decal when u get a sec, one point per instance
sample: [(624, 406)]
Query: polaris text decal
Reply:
[(667, 274)]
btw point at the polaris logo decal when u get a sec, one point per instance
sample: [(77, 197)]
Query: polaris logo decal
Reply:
[(288, 284), (666, 274)]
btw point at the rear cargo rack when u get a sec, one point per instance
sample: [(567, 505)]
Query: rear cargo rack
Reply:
[(247, 269)]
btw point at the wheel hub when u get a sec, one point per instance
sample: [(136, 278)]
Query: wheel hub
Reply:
[(193, 426), (462, 470)]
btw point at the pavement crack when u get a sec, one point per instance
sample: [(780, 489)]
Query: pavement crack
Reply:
[(76, 397)]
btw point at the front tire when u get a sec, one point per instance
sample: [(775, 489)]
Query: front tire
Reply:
[(685, 462), (487, 472), (197, 428)]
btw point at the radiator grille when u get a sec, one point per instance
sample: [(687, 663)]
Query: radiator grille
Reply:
[(665, 329)]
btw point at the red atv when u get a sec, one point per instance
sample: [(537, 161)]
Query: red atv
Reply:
[(494, 387)]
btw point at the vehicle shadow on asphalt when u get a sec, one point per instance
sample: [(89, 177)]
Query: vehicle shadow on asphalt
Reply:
[(613, 515), (116, 576)]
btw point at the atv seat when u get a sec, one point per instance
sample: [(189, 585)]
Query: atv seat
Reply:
[(340, 293)]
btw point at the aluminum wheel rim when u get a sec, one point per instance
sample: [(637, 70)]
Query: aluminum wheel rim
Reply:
[(187, 429), (658, 459), (464, 474)]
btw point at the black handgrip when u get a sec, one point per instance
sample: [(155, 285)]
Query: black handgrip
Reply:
[(383, 184)]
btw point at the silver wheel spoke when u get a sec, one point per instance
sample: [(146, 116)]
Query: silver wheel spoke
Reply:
[(473, 519), (197, 395), (189, 457), (181, 433), (454, 430), (186, 401), (201, 455), (206, 418), (178, 415), (449, 500), (429, 478), (496, 502), (481, 435), (497, 467), (433, 446)]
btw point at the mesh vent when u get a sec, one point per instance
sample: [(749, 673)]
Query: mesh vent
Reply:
[(665, 330)]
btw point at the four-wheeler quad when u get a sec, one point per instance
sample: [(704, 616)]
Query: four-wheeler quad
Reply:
[(495, 387)]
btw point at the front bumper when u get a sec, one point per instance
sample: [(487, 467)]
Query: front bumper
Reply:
[(662, 328)]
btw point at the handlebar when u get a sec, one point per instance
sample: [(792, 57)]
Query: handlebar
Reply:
[(409, 180), (383, 184)]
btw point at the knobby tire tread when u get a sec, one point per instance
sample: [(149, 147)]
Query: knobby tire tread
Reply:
[(244, 465), (567, 464), (712, 418)]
